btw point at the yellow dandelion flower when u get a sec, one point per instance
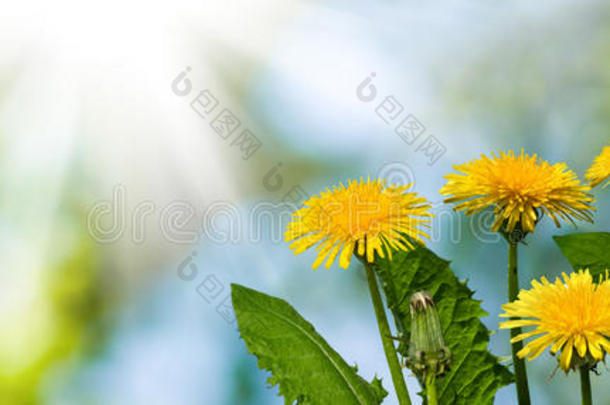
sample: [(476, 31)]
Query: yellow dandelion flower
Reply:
[(518, 187), (366, 217), (572, 316), (600, 169)]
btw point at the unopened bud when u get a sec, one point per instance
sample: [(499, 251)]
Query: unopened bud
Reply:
[(427, 351)]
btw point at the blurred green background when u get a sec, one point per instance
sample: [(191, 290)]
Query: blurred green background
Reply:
[(124, 214)]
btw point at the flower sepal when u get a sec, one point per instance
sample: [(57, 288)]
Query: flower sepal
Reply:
[(588, 362)]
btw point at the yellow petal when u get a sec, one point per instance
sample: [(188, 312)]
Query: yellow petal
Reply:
[(566, 356), (346, 254), (581, 345)]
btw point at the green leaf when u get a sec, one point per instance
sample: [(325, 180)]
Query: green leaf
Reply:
[(475, 373), (586, 251), (306, 368)]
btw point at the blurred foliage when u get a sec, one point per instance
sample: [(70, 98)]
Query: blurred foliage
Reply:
[(73, 302), (244, 389), (522, 85), (68, 314)]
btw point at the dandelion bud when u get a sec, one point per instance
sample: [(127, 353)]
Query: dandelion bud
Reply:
[(428, 354)]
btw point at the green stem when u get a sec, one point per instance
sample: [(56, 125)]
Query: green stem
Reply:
[(431, 390), (523, 391), (585, 386), (388, 346)]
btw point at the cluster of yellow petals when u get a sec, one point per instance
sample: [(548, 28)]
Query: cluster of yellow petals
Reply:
[(572, 316), (518, 186), (600, 169), (365, 217)]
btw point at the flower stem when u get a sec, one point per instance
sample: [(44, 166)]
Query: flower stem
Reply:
[(431, 390), (585, 386), (523, 392), (388, 346)]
